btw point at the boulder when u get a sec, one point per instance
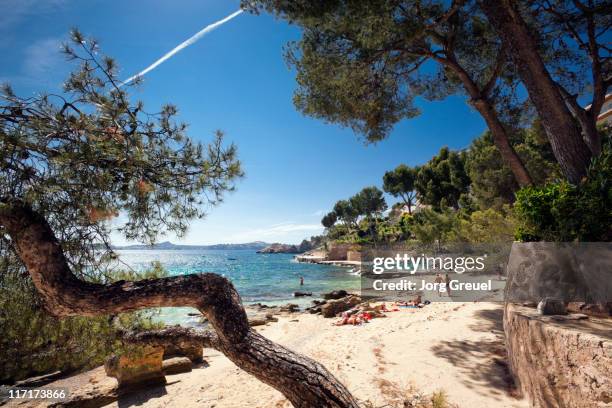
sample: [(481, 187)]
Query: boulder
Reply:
[(257, 321), (290, 308), (271, 318), (186, 348), (176, 365), (314, 309), (590, 309), (550, 306), (336, 294), (333, 307), (137, 367), (298, 294)]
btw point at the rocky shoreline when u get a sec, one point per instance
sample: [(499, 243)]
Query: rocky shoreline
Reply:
[(330, 305)]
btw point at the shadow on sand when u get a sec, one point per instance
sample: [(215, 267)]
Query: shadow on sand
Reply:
[(483, 361)]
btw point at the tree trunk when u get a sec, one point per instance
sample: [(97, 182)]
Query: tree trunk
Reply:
[(302, 380), (498, 131), (562, 129), (500, 138)]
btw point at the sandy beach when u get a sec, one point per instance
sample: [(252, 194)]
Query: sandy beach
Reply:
[(456, 348)]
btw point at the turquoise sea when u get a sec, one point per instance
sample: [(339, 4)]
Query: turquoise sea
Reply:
[(266, 278)]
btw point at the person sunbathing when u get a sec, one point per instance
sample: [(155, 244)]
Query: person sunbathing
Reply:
[(416, 302), (353, 319), (344, 320)]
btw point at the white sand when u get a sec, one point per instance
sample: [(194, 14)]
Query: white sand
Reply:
[(455, 347)]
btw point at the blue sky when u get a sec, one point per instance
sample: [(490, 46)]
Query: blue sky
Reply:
[(233, 79)]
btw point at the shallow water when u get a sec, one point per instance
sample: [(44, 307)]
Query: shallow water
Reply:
[(266, 278)]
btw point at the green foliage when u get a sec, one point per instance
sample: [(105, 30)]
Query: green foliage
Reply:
[(329, 219), (33, 342), (487, 226), (369, 202), (314, 242), (405, 225), (346, 212), (429, 226), (442, 180), (400, 183), (565, 212), (387, 232), (362, 63), (492, 182), (81, 158), (89, 154)]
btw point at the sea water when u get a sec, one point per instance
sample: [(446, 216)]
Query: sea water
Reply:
[(266, 278)]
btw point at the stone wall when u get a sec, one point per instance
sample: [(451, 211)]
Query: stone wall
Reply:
[(339, 252), (560, 361), (353, 256)]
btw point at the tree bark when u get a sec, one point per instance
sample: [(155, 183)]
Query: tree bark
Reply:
[(302, 380), (562, 129), (500, 138), (498, 131)]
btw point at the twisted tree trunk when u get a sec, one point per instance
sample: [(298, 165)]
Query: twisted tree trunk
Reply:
[(302, 380)]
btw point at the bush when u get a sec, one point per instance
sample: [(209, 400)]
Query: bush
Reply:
[(487, 226), (429, 226), (564, 212), (35, 343)]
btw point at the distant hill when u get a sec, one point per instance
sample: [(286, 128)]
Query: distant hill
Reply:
[(257, 245), (280, 249)]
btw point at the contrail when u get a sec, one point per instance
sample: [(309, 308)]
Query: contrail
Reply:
[(182, 45)]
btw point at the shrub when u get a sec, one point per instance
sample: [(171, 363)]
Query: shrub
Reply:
[(490, 225), (34, 343), (565, 212)]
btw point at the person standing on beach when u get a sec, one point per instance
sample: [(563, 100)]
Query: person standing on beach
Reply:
[(447, 281), (439, 281)]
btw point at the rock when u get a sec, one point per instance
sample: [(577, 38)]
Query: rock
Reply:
[(318, 302), (271, 318), (550, 306), (279, 249), (137, 367), (333, 307), (336, 294), (290, 308), (590, 309), (257, 321), (556, 364), (185, 348), (176, 365), (298, 294), (39, 380)]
